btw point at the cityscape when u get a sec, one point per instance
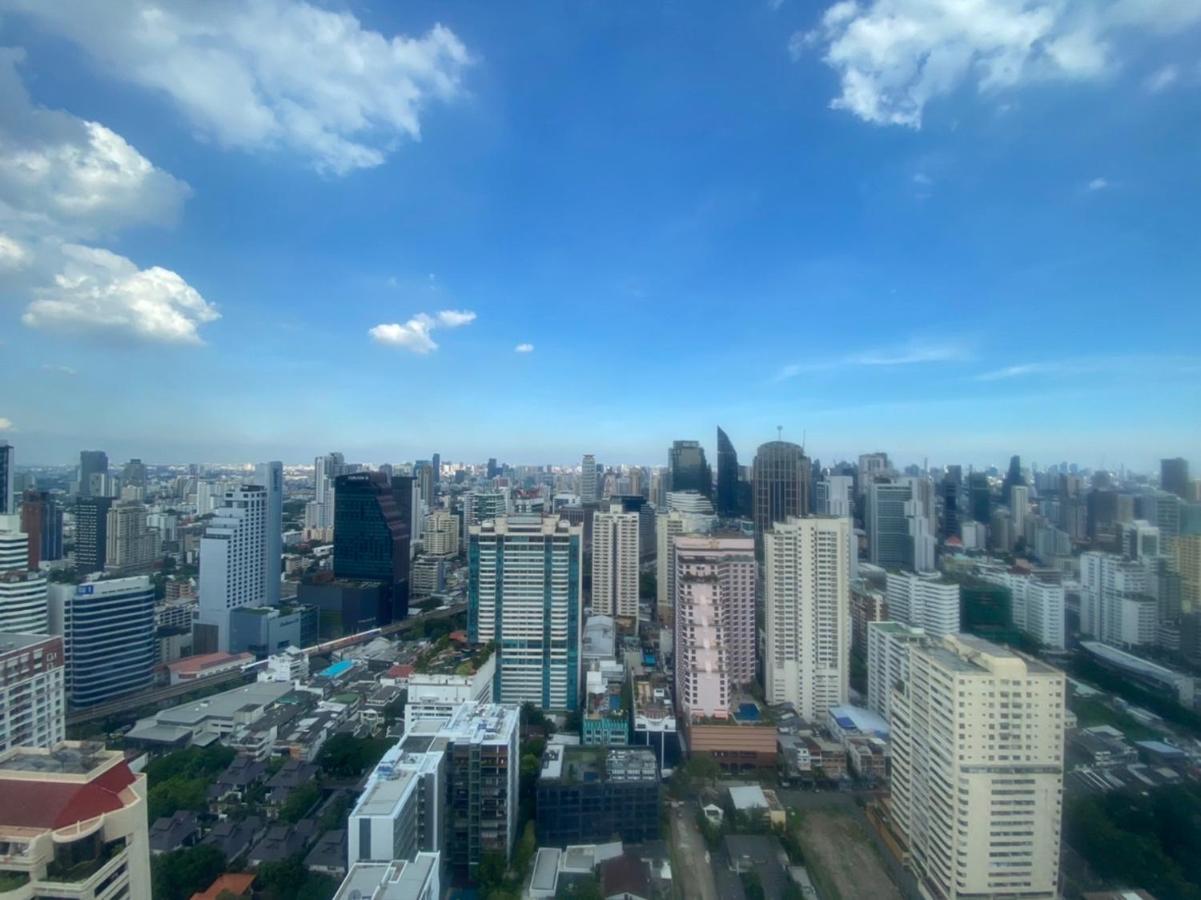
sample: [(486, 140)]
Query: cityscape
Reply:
[(600, 451)]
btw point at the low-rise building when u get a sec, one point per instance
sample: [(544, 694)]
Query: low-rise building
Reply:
[(213, 718), (590, 794), (206, 665), (415, 879)]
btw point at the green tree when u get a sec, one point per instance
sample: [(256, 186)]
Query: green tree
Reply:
[(299, 802), (346, 756), (182, 873)]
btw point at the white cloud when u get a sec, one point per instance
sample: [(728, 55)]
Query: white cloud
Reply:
[(1162, 79), (267, 74), (524, 348), (894, 57), (1098, 184), (61, 370), (922, 179), (912, 353), (414, 335), (99, 291), (453, 318), (13, 254), (5, 424), (1093, 366)]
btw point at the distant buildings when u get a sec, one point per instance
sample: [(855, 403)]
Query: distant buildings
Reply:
[(615, 560), (440, 536), (688, 469), (7, 478), (108, 633), (270, 477), (1173, 476), (780, 488), (807, 603), (371, 540), (929, 602), (320, 512), (889, 543), (588, 487), (232, 565), (93, 472), (91, 534), (73, 823), (729, 486), (1037, 606), (32, 697), (525, 586), (42, 520), (835, 495), (714, 644), (977, 769), (1116, 605), (131, 545)]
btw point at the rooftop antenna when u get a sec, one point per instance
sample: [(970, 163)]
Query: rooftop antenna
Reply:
[(779, 432), (804, 434)]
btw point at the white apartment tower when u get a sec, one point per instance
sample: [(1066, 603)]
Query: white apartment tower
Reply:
[(270, 477), (32, 691), (440, 537), (807, 611), (977, 736), (926, 601), (1116, 605), (887, 661), (525, 588), (615, 563), (834, 495), (1036, 606), (232, 566)]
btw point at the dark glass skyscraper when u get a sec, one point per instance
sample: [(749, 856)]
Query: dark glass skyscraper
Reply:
[(728, 505), (688, 469), (371, 539), (91, 462), (979, 497), (1173, 476), (780, 485), (42, 520), (952, 482), (1013, 477)]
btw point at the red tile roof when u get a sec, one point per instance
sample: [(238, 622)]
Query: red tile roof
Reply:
[(237, 883), (50, 804), (208, 661), (400, 671)]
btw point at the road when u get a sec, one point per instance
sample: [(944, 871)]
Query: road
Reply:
[(694, 877)]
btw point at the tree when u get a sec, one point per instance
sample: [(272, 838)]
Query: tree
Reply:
[(346, 756), (524, 854), (182, 873), (490, 874), (299, 802), (648, 587)]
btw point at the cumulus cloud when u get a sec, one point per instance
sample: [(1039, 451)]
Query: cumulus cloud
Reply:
[(99, 291), (524, 348), (13, 254), (414, 335), (893, 57), (5, 424), (268, 74)]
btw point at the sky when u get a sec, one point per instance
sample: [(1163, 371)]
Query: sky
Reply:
[(949, 229)]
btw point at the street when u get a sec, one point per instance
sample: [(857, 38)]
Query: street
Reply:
[(695, 875)]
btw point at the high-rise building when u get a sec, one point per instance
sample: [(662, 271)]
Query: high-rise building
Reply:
[(1116, 603), (371, 540), (1036, 605), (979, 498), (1013, 477), (132, 545), (889, 542), (14, 545), (7, 478), (440, 537), (888, 661), (436, 464), (133, 474), (615, 563), (23, 602), (423, 473), (480, 506), (1173, 476), (32, 696), (73, 822), (682, 516), (1019, 506), (492, 469), (949, 489), (92, 464), (928, 601), (688, 469), (729, 502), (270, 476), (525, 589), (834, 495), (588, 488), (42, 520), (325, 469), (977, 739), (1188, 564), (91, 534), (232, 566), (807, 605), (780, 486), (872, 466), (714, 645), (108, 633)]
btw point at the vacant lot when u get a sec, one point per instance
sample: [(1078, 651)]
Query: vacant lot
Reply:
[(841, 858)]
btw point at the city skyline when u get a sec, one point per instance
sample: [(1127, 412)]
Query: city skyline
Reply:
[(822, 234)]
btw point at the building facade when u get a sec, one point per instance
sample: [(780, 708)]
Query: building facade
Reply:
[(91, 534), (926, 601), (32, 691), (807, 604), (232, 566), (615, 559), (371, 540), (23, 602), (780, 486), (888, 661), (132, 546)]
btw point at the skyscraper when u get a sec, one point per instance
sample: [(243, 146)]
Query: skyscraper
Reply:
[(325, 469), (979, 498), (887, 660), (588, 489), (728, 489), (807, 604), (1173, 476), (91, 534), (134, 474), (615, 563), (132, 546), (688, 469), (1013, 477), (270, 477), (371, 540), (889, 542), (7, 475), (780, 477), (423, 473), (436, 463), (32, 697), (232, 560), (524, 594), (834, 493), (108, 637), (929, 602), (91, 463), (977, 769), (949, 489), (42, 520)]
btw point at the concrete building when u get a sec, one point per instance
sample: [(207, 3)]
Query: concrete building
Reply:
[(440, 537), (926, 601), (889, 542), (685, 514), (14, 545), (977, 770), (588, 488), (325, 470), (108, 634), (888, 646), (23, 602), (32, 696), (525, 587), (42, 520), (73, 824), (1116, 602), (835, 495), (807, 605), (91, 534), (615, 563), (270, 477), (232, 566), (8, 469), (413, 879), (714, 639), (132, 546), (1037, 605)]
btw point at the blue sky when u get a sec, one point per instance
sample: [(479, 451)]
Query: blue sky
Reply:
[(230, 231)]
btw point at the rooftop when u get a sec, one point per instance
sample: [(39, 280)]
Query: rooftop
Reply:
[(193, 664), (10, 640)]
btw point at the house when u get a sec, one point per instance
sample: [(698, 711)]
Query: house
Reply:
[(625, 877), (234, 839), (282, 841), (174, 832), (328, 855), (761, 854), (238, 777), (236, 884)]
